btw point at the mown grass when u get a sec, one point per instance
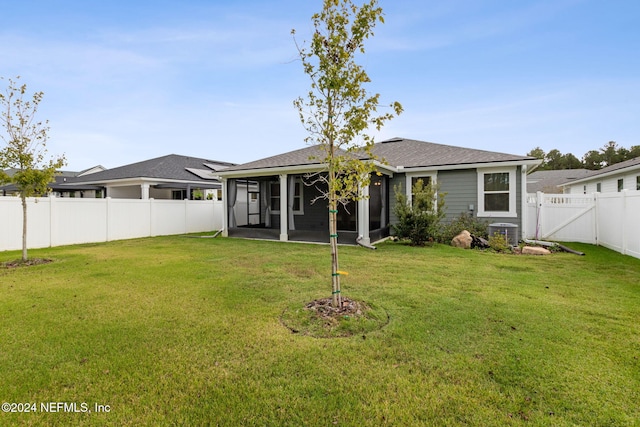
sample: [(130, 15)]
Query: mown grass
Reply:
[(186, 331)]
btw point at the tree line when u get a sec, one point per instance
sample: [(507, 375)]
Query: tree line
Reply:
[(610, 154)]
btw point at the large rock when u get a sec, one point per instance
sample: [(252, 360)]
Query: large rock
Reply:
[(535, 250), (462, 240)]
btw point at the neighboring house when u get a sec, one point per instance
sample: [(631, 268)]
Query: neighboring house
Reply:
[(59, 187), (168, 177), (551, 181), (486, 184), (620, 176)]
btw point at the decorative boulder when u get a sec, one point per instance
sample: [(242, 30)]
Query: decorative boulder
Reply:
[(535, 250), (462, 240)]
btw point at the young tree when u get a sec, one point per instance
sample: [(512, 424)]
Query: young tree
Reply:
[(25, 148), (338, 110)]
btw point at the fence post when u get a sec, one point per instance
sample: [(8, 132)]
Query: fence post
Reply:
[(108, 208), (596, 217), (51, 207), (623, 222), (539, 214)]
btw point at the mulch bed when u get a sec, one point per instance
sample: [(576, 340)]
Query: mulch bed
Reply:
[(27, 263), (323, 308)]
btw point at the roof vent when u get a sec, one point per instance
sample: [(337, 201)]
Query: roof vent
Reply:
[(395, 139)]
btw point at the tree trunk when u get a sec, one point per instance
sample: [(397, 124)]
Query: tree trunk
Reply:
[(336, 300), (24, 227)]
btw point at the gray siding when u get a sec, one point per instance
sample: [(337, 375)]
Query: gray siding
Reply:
[(398, 180), (461, 187)]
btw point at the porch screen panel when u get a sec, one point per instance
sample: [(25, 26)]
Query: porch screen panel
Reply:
[(232, 195), (290, 200), (264, 190)]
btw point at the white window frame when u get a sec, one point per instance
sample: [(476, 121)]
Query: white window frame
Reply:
[(298, 182), (433, 176), (513, 188)]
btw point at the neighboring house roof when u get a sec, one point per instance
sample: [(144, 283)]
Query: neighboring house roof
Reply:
[(622, 167), (173, 168), (60, 183), (550, 181), (397, 153)]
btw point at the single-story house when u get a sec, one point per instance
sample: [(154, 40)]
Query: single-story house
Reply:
[(167, 177), (620, 176), (59, 187), (280, 199), (551, 181)]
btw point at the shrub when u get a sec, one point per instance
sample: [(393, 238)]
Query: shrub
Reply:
[(419, 219), (465, 221), (499, 243)]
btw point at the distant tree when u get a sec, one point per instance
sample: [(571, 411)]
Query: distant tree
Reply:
[(338, 110), (554, 160), (571, 162), (539, 153), (25, 148), (592, 160), (608, 155), (611, 153)]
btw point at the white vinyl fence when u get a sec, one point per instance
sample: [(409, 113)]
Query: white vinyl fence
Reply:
[(55, 221), (608, 219)]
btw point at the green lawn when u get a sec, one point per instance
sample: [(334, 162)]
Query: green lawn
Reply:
[(186, 331)]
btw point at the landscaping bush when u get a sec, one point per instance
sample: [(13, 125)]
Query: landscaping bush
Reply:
[(465, 221), (499, 243), (419, 219)]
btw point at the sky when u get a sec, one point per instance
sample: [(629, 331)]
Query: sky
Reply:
[(126, 81)]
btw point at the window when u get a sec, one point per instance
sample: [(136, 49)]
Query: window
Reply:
[(620, 184), (412, 179), (274, 198), (599, 187), (497, 192), (638, 182), (584, 189)]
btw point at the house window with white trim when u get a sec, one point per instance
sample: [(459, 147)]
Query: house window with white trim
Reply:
[(274, 197), (599, 187), (620, 184), (638, 182), (427, 178), (497, 192)]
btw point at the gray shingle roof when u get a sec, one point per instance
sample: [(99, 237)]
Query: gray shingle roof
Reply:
[(617, 166), (172, 166), (303, 156), (550, 181), (411, 154), (408, 153)]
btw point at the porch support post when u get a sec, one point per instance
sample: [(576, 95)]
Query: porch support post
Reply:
[(225, 209), (363, 215), (284, 217), (144, 191)]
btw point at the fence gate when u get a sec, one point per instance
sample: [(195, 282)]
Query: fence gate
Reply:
[(562, 217)]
